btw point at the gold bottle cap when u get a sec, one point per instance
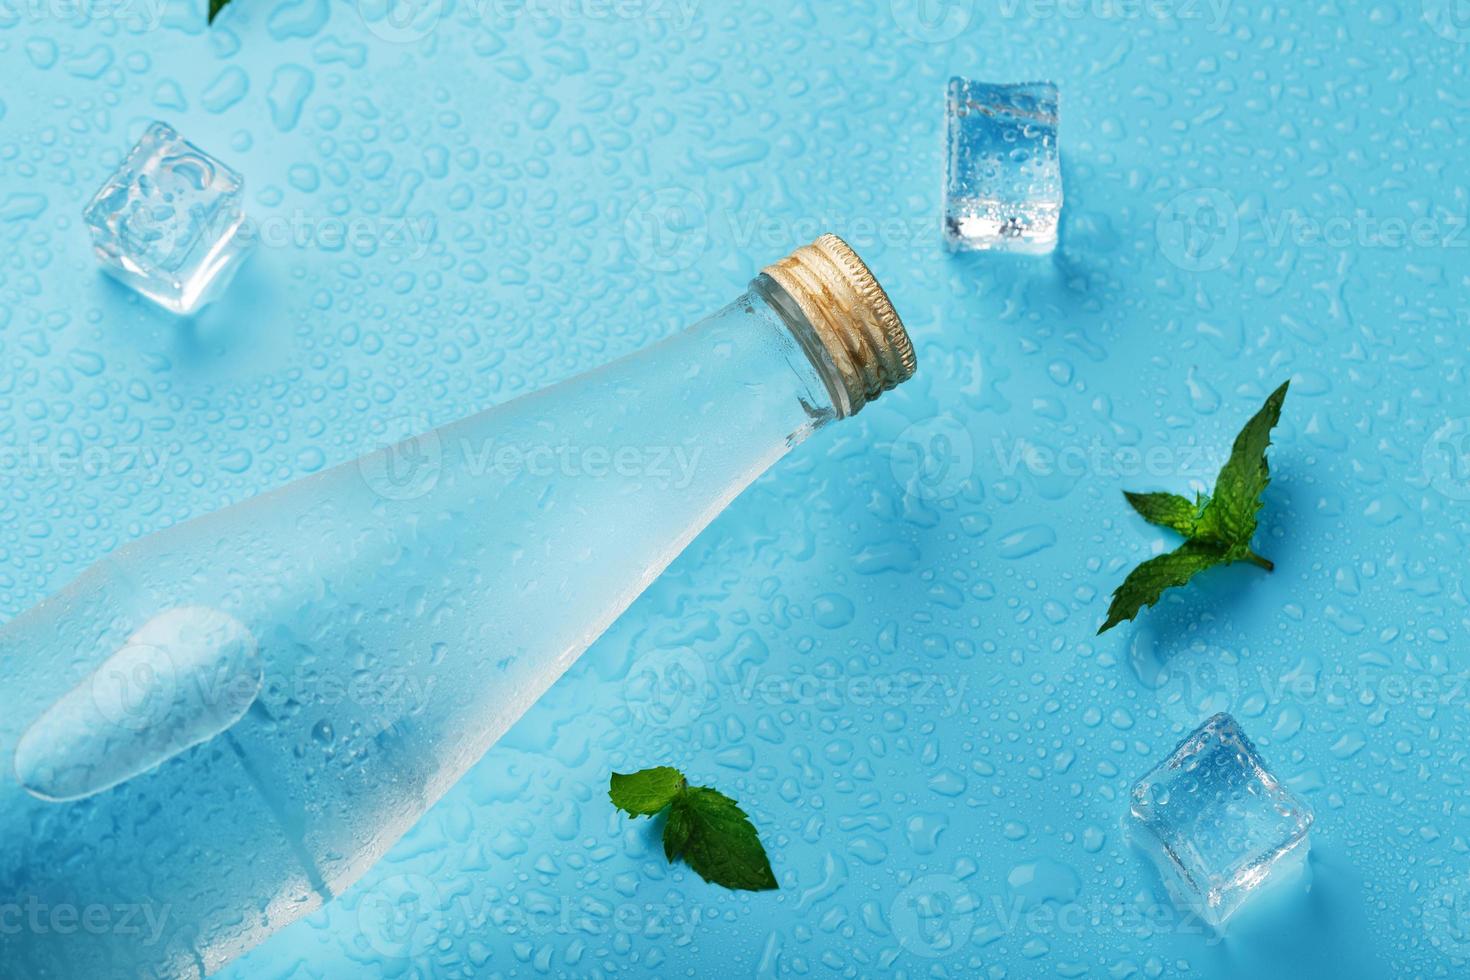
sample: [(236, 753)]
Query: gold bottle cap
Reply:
[(851, 316)]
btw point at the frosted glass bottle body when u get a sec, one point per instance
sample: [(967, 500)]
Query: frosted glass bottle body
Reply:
[(221, 726)]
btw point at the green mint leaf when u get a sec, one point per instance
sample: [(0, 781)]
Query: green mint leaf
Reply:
[(722, 846), (1217, 527), (642, 794), (1230, 517), (677, 831), (705, 827), (215, 6), (1147, 582), (1166, 510)]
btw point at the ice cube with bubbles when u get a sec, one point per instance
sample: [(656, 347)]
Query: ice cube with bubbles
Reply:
[(169, 221), (1003, 178), (1217, 823)]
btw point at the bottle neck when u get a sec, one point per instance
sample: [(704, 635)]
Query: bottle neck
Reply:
[(820, 370), (850, 315)]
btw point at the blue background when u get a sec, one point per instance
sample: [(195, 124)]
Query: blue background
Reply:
[(885, 648)]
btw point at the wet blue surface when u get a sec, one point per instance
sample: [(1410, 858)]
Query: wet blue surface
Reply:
[(892, 634)]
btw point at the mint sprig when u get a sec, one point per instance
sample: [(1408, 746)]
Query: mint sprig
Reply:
[(705, 827), (1218, 528), (215, 6)]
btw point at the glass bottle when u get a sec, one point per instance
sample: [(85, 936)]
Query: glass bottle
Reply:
[(223, 725)]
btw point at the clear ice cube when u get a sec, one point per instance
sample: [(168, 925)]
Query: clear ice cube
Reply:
[(1003, 180), (168, 222), (1216, 822)]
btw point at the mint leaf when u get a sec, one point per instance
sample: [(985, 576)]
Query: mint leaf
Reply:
[(642, 794), (1147, 582), (722, 846), (677, 832), (215, 6), (705, 827), (1166, 510), (1217, 528), (1230, 517)]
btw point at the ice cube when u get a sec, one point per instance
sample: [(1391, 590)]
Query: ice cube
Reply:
[(1003, 181), (1216, 822), (168, 222)]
